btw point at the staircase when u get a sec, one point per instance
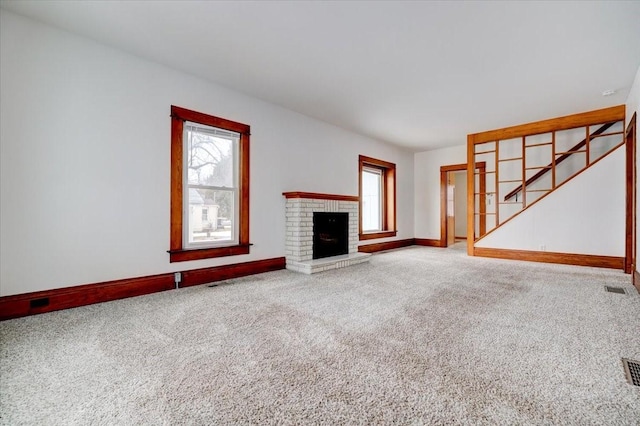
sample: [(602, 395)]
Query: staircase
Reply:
[(578, 148), (526, 163)]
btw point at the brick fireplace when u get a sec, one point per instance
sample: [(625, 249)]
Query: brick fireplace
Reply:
[(300, 208)]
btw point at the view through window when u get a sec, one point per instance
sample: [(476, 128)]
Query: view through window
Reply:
[(377, 198), (212, 185), (371, 199)]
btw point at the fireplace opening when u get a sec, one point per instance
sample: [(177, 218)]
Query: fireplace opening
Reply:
[(330, 234)]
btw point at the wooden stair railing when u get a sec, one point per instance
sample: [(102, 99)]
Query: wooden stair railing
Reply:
[(559, 160)]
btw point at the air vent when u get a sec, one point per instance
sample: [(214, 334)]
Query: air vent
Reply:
[(632, 371), (618, 290)]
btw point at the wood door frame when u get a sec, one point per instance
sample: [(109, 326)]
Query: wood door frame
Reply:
[(481, 166), (450, 218), (631, 197)]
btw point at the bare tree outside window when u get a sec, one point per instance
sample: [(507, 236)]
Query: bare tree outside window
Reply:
[(211, 182)]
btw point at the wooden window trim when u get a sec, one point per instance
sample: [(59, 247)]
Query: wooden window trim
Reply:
[(389, 198), (177, 252)]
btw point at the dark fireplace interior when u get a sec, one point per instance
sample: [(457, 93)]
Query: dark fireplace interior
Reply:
[(330, 234)]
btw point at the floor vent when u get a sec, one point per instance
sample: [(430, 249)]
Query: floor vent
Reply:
[(618, 290), (632, 370)]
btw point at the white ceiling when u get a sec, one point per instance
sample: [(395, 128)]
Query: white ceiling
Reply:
[(417, 74)]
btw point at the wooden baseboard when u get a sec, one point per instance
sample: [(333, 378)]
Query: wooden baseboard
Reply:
[(21, 305), (225, 272), (636, 280), (427, 242), (389, 245), (612, 262)]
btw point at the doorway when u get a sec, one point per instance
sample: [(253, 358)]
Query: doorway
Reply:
[(631, 201), (456, 206), (453, 203)]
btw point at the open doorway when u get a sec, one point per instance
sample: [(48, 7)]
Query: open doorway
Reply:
[(630, 262), (456, 224), (453, 203)]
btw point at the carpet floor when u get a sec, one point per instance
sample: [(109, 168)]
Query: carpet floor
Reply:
[(418, 336)]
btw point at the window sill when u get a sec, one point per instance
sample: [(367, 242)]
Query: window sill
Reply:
[(207, 253), (374, 235)]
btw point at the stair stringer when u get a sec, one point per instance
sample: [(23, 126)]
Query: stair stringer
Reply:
[(585, 215)]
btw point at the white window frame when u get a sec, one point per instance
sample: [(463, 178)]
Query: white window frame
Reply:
[(379, 172), (235, 138)]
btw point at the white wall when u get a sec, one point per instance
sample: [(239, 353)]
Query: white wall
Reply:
[(584, 216), (633, 100), (427, 211), (427, 187), (85, 131)]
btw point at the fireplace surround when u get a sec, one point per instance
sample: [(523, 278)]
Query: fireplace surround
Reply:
[(299, 211)]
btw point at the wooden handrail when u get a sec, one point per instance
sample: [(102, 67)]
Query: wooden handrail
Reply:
[(560, 159)]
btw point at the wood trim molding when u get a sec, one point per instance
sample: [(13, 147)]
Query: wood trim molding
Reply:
[(612, 262), (389, 245), (175, 236), (197, 254), (21, 305), (177, 251), (427, 242), (319, 196), (225, 272), (375, 162), (481, 167), (630, 197), (604, 115), (471, 197), (600, 116), (443, 205), (199, 117)]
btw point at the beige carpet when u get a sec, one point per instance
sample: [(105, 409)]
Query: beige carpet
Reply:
[(418, 336)]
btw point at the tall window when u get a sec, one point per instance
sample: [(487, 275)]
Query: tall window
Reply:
[(377, 198), (372, 199), (209, 186)]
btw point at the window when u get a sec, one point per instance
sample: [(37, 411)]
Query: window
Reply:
[(209, 186), (377, 198), (371, 199)]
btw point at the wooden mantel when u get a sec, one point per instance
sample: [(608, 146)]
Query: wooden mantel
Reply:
[(318, 196)]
